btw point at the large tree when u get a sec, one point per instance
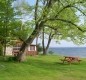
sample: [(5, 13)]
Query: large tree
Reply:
[(64, 12)]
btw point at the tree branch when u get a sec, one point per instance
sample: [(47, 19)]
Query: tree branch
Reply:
[(52, 27), (55, 28), (68, 6), (36, 8), (67, 21), (79, 10)]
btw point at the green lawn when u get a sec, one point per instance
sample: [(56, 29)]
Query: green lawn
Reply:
[(42, 68)]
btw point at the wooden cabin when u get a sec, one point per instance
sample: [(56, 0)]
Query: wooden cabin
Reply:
[(30, 50)]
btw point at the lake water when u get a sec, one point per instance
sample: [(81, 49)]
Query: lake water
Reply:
[(70, 51)]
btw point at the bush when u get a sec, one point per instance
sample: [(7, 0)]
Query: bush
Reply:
[(51, 52), (39, 48), (11, 58)]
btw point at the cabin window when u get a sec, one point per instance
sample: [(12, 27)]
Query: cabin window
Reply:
[(32, 48)]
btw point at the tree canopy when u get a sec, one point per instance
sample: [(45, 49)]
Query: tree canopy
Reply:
[(62, 16)]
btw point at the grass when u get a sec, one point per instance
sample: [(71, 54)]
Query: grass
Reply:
[(42, 68)]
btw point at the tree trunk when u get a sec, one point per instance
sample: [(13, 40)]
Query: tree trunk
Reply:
[(1, 50), (39, 25), (47, 47), (34, 34), (4, 50), (43, 45), (37, 40)]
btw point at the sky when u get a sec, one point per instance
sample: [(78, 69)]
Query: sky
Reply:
[(63, 43), (31, 1)]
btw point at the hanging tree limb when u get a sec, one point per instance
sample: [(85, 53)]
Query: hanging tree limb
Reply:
[(67, 21)]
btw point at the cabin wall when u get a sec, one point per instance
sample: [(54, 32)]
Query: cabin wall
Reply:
[(9, 50), (31, 53), (31, 50)]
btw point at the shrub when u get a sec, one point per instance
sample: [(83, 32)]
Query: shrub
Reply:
[(11, 58), (51, 52), (39, 48)]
